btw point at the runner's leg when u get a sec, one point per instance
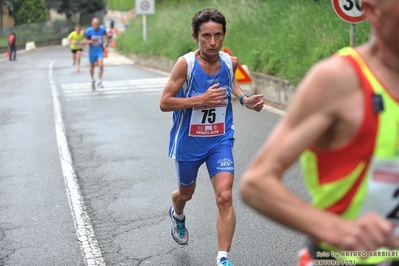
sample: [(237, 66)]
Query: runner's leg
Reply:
[(226, 219), (73, 57), (186, 175), (78, 55), (220, 164), (101, 68), (181, 196), (92, 71)]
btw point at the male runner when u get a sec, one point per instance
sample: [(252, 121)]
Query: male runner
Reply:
[(96, 37), (343, 124), (199, 94)]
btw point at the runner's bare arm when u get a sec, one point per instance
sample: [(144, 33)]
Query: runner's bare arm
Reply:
[(169, 101), (254, 102), (105, 39), (86, 40), (311, 114)]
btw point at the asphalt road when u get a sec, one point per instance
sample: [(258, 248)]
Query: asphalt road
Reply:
[(116, 212)]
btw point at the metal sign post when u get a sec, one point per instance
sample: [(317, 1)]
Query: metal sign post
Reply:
[(353, 35), (349, 11), (144, 27), (145, 7)]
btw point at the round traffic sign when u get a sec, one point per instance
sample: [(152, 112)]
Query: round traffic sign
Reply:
[(145, 5), (349, 10)]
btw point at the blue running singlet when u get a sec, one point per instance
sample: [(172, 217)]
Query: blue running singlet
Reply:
[(198, 130)]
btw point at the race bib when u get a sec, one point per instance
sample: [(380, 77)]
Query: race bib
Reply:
[(208, 120), (96, 40), (383, 189)]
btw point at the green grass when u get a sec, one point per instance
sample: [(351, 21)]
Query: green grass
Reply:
[(123, 5), (283, 38), (4, 42)]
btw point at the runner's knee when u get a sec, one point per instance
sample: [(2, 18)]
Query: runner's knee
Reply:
[(224, 199), (186, 193), (186, 197)]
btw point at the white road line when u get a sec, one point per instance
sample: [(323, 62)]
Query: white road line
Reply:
[(87, 91), (88, 243), (151, 81), (83, 91), (87, 88), (108, 96)]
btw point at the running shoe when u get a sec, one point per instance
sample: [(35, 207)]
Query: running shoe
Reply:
[(77, 69), (224, 262), (100, 85), (93, 85), (179, 231)]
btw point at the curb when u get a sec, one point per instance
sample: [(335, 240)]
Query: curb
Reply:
[(277, 92)]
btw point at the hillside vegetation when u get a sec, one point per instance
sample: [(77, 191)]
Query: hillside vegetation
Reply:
[(283, 38)]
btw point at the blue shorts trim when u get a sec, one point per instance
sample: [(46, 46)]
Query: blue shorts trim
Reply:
[(217, 161), (93, 57)]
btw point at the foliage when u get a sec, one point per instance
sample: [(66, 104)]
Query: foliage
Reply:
[(4, 3), (92, 6), (125, 5), (71, 7), (68, 7), (280, 38), (29, 11), (122, 5), (37, 32)]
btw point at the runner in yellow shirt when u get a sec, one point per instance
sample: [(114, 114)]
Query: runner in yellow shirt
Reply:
[(75, 39)]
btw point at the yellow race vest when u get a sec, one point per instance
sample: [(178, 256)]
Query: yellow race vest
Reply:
[(362, 176)]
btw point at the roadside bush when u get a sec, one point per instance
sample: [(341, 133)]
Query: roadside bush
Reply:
[(280, 38)]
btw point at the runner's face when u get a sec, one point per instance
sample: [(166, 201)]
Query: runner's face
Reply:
[(388, 27), (210, 38), (95, 24)]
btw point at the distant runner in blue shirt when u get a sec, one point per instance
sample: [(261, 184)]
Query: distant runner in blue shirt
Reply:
[(95, 36)]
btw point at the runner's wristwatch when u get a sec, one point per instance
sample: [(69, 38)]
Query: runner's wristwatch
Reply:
[(241, 98)]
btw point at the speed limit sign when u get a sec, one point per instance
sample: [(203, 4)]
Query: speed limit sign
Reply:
[(349, 10), (145, 7)]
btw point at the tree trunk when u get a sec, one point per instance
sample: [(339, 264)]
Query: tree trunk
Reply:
[(69, 21)]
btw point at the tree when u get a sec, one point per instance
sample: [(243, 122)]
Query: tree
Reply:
[(3, 5), (92, 6), (67, 7), (29, 11), (72, 7)]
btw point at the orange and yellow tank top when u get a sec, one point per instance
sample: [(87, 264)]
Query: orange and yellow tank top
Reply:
[(363, 175)]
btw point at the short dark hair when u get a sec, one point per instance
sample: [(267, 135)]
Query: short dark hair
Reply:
[(205, 15)]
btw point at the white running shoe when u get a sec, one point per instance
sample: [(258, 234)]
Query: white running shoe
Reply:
[(224, 262), (179, 231)]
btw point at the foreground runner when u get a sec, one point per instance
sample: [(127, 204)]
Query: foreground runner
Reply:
[(344, 122), (96, 38), (199, 94), (76, 38)]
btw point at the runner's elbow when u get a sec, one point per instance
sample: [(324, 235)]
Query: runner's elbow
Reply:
[(166, 104), (247, 186), (164, 107)]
